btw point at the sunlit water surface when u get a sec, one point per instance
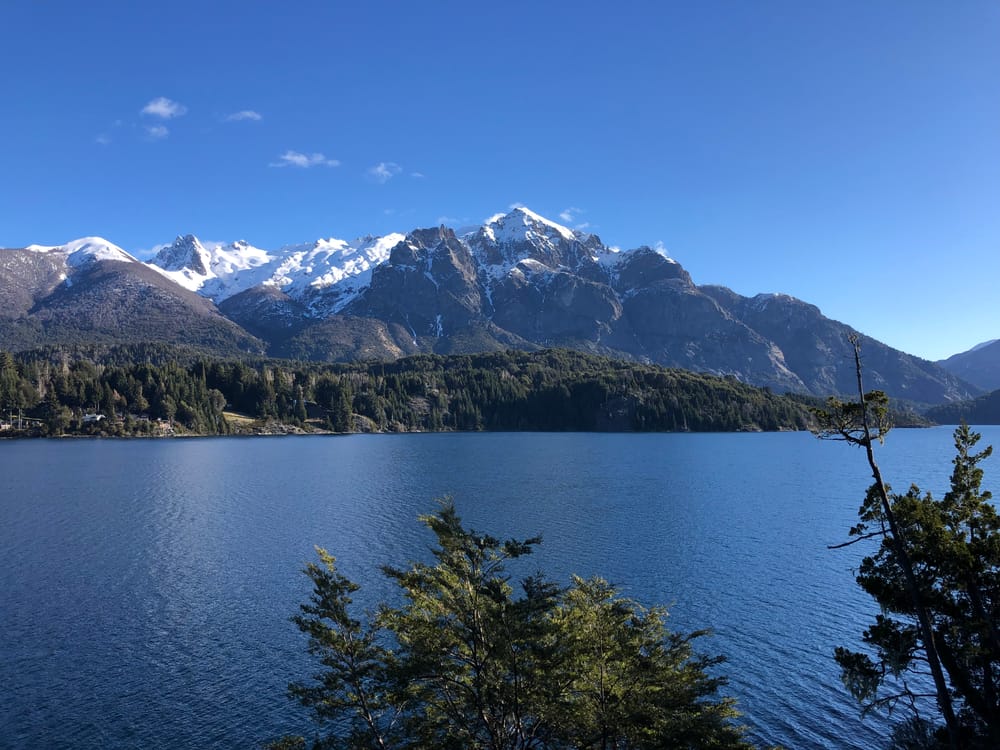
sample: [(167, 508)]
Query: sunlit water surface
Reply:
[(146, 585)]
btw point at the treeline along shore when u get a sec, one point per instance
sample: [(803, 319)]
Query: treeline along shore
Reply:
[(136, 390)]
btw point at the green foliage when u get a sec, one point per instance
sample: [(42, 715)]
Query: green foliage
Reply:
[(465, 662), (856, 422), (953, 548), (55, 391), (509, 391), (983, 410)]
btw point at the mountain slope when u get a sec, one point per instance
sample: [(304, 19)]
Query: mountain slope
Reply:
[(518, 281), (95, 292), (979, 366), (817, 350)]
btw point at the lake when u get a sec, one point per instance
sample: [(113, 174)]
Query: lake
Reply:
[(146, 585)]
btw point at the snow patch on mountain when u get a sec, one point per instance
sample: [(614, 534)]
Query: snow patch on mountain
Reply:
[(522, 224), (220, 271), (328, 274), (327, 263), (215, 270), (86, 250)]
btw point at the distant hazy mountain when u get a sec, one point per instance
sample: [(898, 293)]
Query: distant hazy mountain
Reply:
[(518, 281), (979, 366)]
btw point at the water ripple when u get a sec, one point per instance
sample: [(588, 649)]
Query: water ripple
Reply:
[(147, 585)]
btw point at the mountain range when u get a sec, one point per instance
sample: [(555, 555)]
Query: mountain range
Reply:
[(518, 281), (980, 365)]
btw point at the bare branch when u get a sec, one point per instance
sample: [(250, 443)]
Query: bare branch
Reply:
[(861, 538)]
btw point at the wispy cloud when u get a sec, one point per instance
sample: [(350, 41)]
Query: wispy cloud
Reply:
[(661, 249), (304, 161), (243, 114), (516, 204), (103, 139), (417, 175), (383, 171), (157, 132), (570, 214), (165, 108)]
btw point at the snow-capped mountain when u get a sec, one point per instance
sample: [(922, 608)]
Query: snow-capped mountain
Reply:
[(84, 250), (506, 240), (304, 272), (518, 281), (92, 291)]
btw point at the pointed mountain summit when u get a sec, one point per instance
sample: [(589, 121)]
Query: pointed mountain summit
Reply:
[(519, 280), (216, 270), (507, 239), (186, 252)]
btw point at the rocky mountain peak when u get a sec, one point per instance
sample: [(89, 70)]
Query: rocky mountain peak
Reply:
[(507, 239), (519, 280), (185, 252)]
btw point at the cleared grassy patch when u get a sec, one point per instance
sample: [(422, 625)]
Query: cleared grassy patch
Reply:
[(235, 418)]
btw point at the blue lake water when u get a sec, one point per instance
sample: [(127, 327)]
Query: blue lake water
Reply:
[(146, 585)]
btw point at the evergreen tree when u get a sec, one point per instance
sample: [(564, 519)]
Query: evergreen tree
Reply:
[(936, 578), (466, 663)]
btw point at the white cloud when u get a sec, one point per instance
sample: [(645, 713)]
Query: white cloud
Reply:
[(243, 114), (157, 132), (384, 171), (304, 161), (570, 214), (165, 108), (516, 204), (103, 139), (661, 249), (417, 175)]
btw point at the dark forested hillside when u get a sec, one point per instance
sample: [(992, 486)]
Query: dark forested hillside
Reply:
[(150, 389), (983, 410)]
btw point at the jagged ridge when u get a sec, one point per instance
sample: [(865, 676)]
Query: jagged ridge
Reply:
[(521, 281)]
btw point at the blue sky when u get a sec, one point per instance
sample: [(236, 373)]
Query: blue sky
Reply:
[(846, 153)]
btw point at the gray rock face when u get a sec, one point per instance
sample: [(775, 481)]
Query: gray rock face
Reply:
[(817, 350), (266, 312), (185, 252), (676, 324), (553, 307), (519, 281), (428, 286)]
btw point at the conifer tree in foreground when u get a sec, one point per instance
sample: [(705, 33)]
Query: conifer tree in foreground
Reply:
[(936, 578), (466, 663)]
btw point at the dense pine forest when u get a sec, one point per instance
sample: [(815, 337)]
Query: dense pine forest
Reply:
[(983, 410), (155, 389)]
